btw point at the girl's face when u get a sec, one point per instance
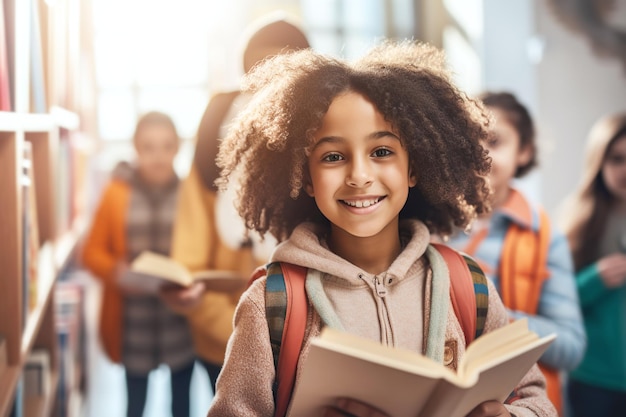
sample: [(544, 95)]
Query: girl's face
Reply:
[(506, 155), (614, 169), (359, 170), (156, 146)]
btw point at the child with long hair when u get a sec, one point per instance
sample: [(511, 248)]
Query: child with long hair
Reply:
[(135, 214), (594, 220), (352, 166), (519, 248)]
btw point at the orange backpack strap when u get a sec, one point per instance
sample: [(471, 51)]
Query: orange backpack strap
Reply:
[(469, 292), (286, 308), (523, 266)]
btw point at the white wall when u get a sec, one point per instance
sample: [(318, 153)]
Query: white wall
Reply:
[(574, 88), (553, 71)]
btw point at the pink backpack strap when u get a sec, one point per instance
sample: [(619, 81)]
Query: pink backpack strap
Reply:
[(461, 290), (293, 334)]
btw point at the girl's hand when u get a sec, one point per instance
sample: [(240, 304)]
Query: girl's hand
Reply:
[(490, 409), (175, 296), (612, 269), (346, 407), (121, 268)]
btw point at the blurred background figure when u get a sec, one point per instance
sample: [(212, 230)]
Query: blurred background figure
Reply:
[(594, 219), (135, 214), (208, 231), (520, 249)]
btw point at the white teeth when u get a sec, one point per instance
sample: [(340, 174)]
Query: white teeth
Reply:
[(362, 203)]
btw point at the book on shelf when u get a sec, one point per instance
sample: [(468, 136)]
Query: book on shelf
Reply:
[(403, 383), (37, 78), (4, 359), (151, 271), (30, 236), (5, 83), (37, 376)]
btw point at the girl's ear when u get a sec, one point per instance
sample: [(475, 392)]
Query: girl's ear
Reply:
[(412, 179), (308, 187), (524, 155)]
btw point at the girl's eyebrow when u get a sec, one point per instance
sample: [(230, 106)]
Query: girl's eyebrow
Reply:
[(338, 139)]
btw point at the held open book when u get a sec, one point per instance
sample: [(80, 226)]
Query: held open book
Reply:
[(403, 383), (150, 271)]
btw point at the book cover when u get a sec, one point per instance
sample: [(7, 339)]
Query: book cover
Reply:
[(37, 378), (403, 383), (4, 359), (30, 239), (8, 41), (150, 271), (5, 84), (37, 79)]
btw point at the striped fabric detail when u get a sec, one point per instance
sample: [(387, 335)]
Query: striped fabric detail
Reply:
[(481, 291), (275, 307)]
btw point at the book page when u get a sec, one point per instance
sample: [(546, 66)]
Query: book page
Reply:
[(160, 266), (333, 371), (150, 271), (495, 381)]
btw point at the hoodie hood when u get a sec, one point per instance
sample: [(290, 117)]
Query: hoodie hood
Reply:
[(307, 247)]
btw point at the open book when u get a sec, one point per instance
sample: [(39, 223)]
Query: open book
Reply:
[(150, 271), (403, 383)]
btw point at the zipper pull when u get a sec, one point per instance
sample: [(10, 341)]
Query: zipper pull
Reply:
[(381, 290)]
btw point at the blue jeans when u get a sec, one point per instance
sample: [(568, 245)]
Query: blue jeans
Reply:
[(593, 401), (137, 389)]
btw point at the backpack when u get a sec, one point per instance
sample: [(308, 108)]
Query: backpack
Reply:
[(286, 309), (523, 270)]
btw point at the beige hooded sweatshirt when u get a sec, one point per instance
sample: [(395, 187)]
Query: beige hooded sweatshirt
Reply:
[(403, 307)]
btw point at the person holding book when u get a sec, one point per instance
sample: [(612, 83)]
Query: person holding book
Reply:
[(594, 220), (521, 250), (208, 234), (135, 214), (352, 166)]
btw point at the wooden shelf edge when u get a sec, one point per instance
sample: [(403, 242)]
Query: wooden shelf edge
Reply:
[(45, 284), (8, 381), (27, 122), (58, 117), (66, 243)]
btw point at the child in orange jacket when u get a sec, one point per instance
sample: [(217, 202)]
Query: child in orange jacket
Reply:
[(136, 213)]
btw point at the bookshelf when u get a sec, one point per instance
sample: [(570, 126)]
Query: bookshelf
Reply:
[(43, 124)]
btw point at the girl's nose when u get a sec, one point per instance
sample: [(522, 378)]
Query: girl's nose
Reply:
[(360, 175)]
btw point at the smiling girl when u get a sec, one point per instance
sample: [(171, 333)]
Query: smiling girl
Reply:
[(352, 166)]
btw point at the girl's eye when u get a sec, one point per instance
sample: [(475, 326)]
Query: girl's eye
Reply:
[(332, 157), (493, 142), (382, 152), (616, 159)]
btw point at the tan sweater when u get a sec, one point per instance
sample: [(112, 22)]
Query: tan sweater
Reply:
[(349, 297)]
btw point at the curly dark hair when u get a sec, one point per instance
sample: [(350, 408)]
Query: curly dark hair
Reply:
[(441, 128), (518, 115)]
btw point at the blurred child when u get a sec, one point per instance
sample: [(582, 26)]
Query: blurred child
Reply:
[(594, 220), (208, 233), (135, 214), (352, 166), (520, 250)]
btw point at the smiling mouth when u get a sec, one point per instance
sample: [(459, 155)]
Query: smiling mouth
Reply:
[(362, 203)]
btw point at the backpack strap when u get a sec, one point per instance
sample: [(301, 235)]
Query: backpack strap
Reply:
[(286, 309), (469, 292)]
